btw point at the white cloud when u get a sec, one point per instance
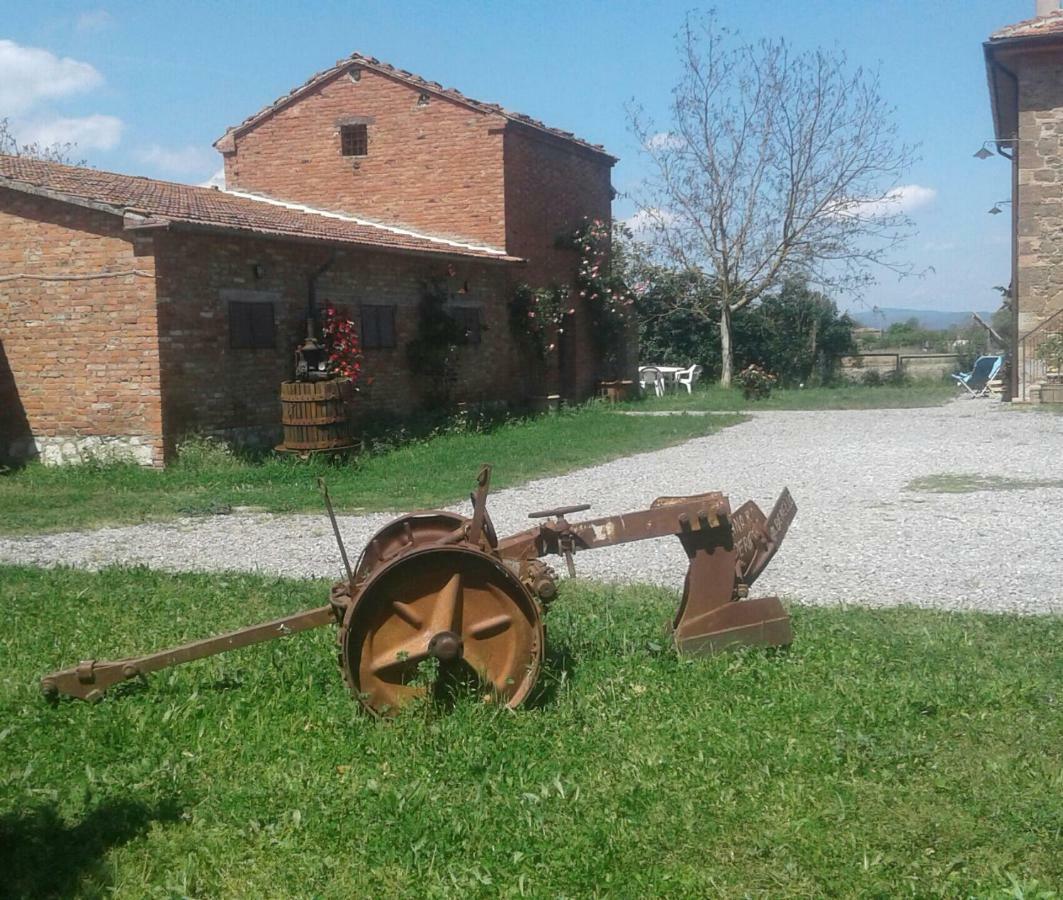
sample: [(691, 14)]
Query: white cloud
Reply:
[(904, 199), (96, 132), (93, 20), (664, 140), (216, 180), (645, 222), (29, 75), (178, 160)]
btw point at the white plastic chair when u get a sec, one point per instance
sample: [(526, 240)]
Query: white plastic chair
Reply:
[(651, 375), (688, 378)]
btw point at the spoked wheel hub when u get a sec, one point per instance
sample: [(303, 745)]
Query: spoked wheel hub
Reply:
[(457, 605)]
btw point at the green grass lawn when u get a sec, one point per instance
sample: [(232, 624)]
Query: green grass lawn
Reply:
[(887, 753), (415, 474), (962, 483), (843, 396)]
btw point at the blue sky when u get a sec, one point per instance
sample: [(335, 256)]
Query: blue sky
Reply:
[(148, 86)]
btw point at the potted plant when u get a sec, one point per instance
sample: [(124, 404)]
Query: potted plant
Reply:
[(756, 383)]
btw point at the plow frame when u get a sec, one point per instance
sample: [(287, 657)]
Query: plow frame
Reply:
[(727, 552)]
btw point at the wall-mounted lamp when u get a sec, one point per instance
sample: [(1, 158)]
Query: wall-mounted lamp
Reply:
[(984, 152), (996, 210)]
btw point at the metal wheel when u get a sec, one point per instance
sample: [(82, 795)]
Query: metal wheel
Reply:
[(455, 604), (405, 533)]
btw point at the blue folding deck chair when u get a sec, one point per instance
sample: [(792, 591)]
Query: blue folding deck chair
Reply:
[(976, 382)]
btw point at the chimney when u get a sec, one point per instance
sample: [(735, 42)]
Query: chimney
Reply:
[(1046, 7)]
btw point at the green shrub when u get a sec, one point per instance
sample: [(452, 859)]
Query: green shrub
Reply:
[(197, 452), (876, 378), (755, 382), (797, 332)]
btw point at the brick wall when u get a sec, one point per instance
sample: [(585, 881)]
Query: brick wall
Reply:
[(437, 167), (210, 387), (551, 187), (443, 168), (78, 362)]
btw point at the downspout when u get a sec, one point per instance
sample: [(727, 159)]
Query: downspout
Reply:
[(310, 361), (311, 295), (1013, 386), (1013, 379)]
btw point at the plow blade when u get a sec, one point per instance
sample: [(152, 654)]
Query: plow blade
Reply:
[(714, 612), (759, 622)]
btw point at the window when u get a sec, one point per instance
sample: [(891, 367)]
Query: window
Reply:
[(251, 325), (468, 319), (378, 327), (354, 140)]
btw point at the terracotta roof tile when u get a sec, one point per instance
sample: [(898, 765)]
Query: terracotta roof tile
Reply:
[(211, 208), (370, 62), (1046, 26)]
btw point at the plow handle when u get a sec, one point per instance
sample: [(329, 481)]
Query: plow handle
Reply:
[(667, 516), (91, 678)]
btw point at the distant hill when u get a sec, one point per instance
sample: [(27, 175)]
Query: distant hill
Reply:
[(932, 319)]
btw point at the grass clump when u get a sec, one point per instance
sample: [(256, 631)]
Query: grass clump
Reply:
[(712, 397), (405, 468), (887, 752), (965, 483)]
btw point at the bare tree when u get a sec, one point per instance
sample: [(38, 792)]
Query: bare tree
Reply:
[(58, 152), (775, 163)]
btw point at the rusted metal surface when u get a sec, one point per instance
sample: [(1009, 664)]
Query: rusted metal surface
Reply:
[(456, 604), (441, 589), (90, 679)]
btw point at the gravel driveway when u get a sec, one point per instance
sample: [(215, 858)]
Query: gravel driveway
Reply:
[(859, 537)]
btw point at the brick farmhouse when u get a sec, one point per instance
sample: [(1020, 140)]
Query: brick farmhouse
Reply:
[(135, 311), (1024, 63)]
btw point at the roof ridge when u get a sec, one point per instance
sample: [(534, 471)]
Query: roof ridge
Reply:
[(94, 171), (210, 207), (1049, 24), (297, 206), (388, 69)]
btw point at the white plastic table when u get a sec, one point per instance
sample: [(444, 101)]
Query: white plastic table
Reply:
[(669, 372)]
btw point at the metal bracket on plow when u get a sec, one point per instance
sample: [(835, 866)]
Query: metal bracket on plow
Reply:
[(727, 552)]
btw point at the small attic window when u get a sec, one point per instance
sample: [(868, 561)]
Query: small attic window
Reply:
[(423, 99), (355, 75), (354, 140)]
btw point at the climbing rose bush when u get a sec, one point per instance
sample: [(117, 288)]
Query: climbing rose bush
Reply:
[(341, 344), (594, 282)]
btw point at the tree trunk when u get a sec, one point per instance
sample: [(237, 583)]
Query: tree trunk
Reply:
[(813, 371), (727, 360)]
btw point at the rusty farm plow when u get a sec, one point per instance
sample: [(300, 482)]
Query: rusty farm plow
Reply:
[(438, 585)]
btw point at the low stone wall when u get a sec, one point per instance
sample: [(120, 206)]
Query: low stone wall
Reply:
[(72, 448), (927, 365), (934, 365)]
